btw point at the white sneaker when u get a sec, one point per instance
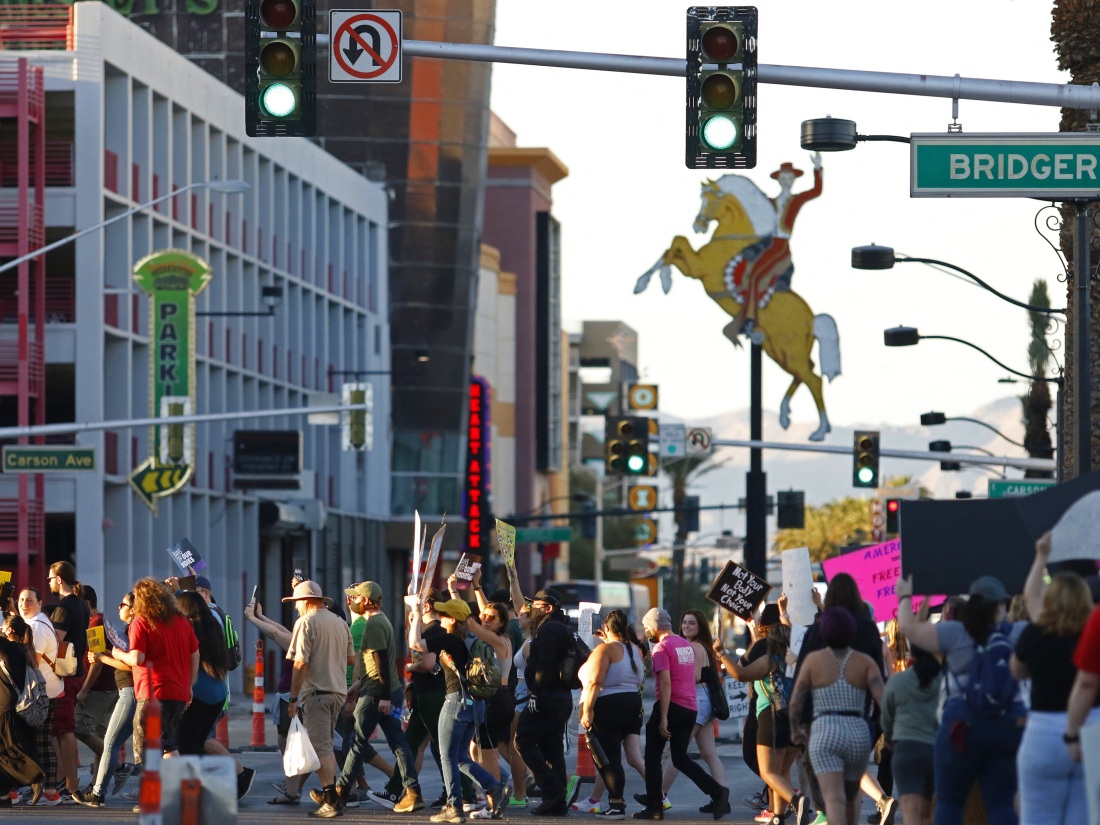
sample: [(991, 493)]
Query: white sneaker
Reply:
[(483, 813)]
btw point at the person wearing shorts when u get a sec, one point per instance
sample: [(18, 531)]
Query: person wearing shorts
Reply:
[(909, 706), (321, 649)]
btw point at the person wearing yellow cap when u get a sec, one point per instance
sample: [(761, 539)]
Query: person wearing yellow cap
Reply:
[(460, 714)]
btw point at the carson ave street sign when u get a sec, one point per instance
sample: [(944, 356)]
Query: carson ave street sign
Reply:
[(1059, 166), (48, 459)]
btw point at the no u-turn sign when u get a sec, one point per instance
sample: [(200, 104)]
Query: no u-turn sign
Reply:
[(364, 46)]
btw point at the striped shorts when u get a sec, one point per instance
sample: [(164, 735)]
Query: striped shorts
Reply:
[(840, 743)]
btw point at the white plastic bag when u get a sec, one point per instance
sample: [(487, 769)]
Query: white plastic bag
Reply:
[(299, 756)]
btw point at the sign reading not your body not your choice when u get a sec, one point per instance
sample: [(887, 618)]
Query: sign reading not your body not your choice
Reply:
[(738, 590)]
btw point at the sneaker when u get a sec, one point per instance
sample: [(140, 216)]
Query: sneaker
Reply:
[(802, 809), (345, 798), (122, 773), (318, 796), (887, 806), (572, 789), (244, 782), (649, 813), (612, 811), (501, 798), (361, 795), (130, 796), (66, 797), (449, 814), (440, 803), (764, 817), (50, 797), (86, 797), (757, 801), (470, 807), (821, 820), (326, 811), (587, 806), (517, 803), (410, 801), (386, 800), (721, 802), (643, 800), (484, 813)]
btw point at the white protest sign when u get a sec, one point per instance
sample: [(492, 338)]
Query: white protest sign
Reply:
[(1075, 535), (737, 694), (798, 584), (466, 568), (586, 612)]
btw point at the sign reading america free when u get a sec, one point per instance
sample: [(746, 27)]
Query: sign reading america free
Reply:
[(876, 569)]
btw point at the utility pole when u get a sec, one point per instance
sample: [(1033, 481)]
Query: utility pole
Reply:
[(597, 544)]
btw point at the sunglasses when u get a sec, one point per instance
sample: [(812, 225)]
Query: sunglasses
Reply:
[(124, 604)]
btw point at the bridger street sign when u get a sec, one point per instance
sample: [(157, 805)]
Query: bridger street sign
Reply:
[(1059, 166)]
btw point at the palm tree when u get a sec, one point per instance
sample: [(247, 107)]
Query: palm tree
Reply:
[(1037, 401), (1075, 30)]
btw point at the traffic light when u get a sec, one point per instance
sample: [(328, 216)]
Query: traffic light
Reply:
[(626, 446), (790, 510), (893, 511), (865, 459), (721, 87), (280, 68)]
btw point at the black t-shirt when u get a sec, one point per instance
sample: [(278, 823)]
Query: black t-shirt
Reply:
[(430, 681), (72, 615), (460, 656), (1049, 659), (544, 661)]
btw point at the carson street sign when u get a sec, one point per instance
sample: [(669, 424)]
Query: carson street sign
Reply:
[(47, 459), (1060, 165)]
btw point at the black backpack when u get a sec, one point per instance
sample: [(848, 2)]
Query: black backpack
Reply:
[(576, 654), (232, 640)]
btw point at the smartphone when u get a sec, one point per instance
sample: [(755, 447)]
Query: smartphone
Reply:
[(187, 582), (253, 599)]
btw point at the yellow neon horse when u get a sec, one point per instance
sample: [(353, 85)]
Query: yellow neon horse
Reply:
[(784, 324)]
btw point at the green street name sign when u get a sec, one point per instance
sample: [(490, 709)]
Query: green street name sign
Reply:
[(1012, 489), (543, 534), (20, 459), (1059, 166)]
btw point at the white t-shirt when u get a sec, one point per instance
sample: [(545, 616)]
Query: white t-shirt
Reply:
[(45, 642)]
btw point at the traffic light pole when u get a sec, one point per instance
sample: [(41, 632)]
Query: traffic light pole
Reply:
[(756, 480), (1065, 96)]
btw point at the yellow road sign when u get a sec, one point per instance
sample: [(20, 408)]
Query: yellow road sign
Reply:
[(642, 497), (643, 396), (646, 532)]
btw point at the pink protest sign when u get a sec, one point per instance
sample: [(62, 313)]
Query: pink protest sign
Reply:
[(876, 570)]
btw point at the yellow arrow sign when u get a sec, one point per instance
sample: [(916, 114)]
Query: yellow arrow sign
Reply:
[(152, 480)]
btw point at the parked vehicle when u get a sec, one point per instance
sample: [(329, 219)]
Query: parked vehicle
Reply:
[(632, 599)]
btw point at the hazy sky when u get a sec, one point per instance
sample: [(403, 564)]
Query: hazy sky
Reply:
[(628, 193)]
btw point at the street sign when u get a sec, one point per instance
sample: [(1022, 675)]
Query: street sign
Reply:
[(543, 535), (699, 441), (999, 488), (1059, 165), (365, 46), (643, 396), (673, 439), (642, 497), (645, 532), (44, 459)]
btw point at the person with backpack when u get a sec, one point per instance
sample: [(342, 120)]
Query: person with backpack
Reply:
[(18, 765), (983, 717), (460, 713), (45, 647)]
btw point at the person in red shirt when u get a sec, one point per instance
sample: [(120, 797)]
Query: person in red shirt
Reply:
[(164, 655), (1086, 684)]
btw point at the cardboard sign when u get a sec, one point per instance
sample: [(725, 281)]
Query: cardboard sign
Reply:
[(798, 584), (5, 576), (97, 640), (466, 569), (586, 615), (185, 555), (876, 570), (1074, 536), (506, 540), (738, 590)]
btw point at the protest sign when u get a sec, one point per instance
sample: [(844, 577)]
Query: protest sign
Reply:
[(738, 590), (301, 569), (185, 555), (506, 540), (97, 639), (1075, 536), (737, 694), (466, 568), (876, 569), (5, 576), (798, 584), (586, 616)]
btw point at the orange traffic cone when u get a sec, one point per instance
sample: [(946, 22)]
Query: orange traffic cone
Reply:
[(149, 795), (259, 742)]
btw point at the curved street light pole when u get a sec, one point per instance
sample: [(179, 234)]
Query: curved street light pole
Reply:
[(931, 419)]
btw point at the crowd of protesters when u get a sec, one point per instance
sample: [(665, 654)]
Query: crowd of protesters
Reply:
[(986, 699)]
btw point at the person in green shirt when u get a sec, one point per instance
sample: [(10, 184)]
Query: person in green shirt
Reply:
[(345, 725)]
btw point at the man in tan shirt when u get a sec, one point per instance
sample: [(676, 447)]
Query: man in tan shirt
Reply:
[(321, 649)]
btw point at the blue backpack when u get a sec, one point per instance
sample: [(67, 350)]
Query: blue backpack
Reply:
[(991, 689)]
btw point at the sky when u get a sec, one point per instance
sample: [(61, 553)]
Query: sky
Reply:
[(628, 194)]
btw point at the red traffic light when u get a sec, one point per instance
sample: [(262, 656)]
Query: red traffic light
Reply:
[(721, 43), (280, 15), (892, 505)]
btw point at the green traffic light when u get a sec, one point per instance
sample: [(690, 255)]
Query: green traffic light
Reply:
[(279, 100), (636, 463), (865, 475), (720, 132)]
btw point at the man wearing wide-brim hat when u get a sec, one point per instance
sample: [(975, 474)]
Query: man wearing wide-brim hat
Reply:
[(321, 649)]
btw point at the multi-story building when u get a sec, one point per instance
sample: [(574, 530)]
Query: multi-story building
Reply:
[(125, 122)]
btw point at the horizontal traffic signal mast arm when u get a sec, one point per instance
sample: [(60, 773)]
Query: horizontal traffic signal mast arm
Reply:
[(919, 455), (1067, 95), (625, 512)]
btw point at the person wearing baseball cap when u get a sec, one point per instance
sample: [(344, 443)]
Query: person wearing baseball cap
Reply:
[(673, 718), (321, 649)]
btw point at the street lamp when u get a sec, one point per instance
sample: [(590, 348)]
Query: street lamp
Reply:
[(231, 187), (875, 257), (272, 297), (933, 419), (902, 336)]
